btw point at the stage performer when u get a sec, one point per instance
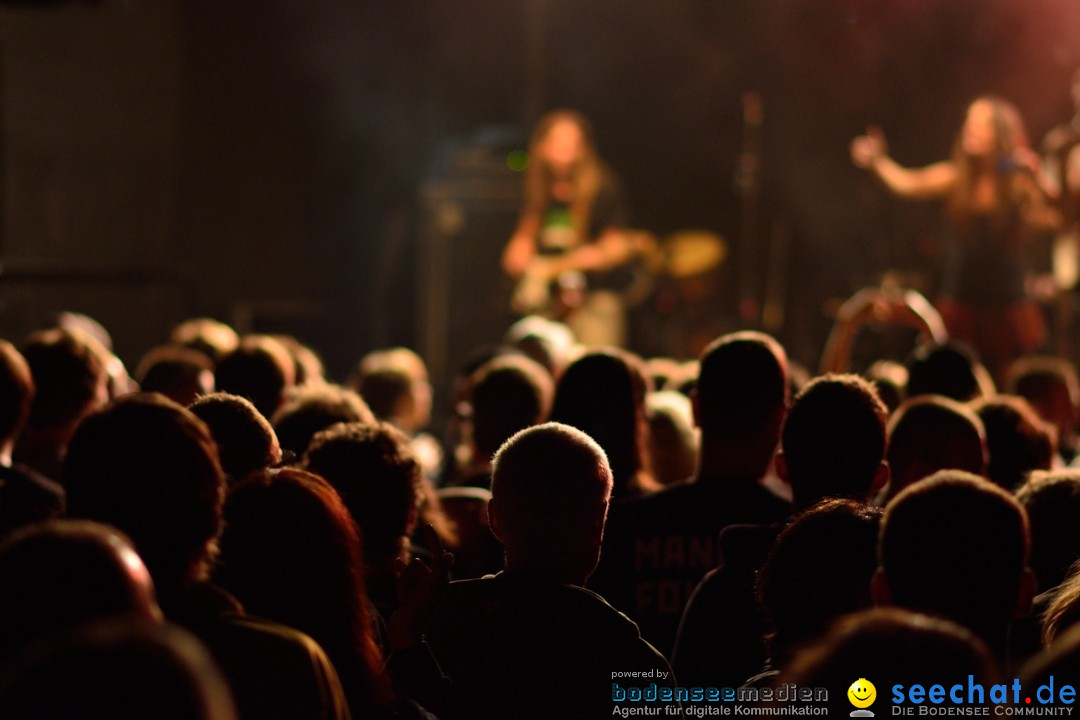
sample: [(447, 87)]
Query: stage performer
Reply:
[(993, 201), (571, 248)]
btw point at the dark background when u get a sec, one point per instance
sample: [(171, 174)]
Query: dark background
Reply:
[(266, 162)]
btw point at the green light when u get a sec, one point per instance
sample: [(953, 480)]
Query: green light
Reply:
[(517, 160)]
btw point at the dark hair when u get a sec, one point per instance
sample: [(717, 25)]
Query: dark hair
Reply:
[(509, 393), (291, 553), (956, 545), (1052, 502), (118, 671), (259, 369), (819, 568), (931, 433), (834, 439), (16, 391), (179, 373), (948, 369), (374, 470), (890, 643), (307, 410), (602, 394), (150, 467), (1017, 441), (742, 384), (64, 573), (68, 374), (244, 438)]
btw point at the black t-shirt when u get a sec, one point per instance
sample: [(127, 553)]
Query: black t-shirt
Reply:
[(658, 547), (515, 647)]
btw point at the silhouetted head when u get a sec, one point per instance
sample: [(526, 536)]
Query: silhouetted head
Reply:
[(1052, 502), (1051, 386), (893, 646), (819, 569), (244, 438), (550, 489), (179, 373), (374, 470), (69, 375), (949, 369), (118, 671), (259, 369), (290, 552), (65, 573), (394, 384), (956, 545), (509, 393), (742, 392), (833, 441), (602, 393), (211, 337), (932, 433), (1017, 441), (308, 410), (150, 468)]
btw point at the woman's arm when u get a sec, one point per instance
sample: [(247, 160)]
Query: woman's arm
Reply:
[(521, 249), (934, 181)]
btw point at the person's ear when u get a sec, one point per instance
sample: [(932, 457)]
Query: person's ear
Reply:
[(880, 593), (881, 479), (1025, 594)]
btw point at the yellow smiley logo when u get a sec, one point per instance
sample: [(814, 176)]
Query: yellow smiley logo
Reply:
[(862, 693)]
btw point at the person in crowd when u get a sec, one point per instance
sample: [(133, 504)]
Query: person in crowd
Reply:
[(71, 381), (1051, 386), (930, 433), (373, 469), (62, 574), (1063, 610), (906, 648), (290, 552), (259, 369), (149, 467), (245, 440), (534, 625), (1017, 440), (120, 671), (179, 373), (212, 338), (307, 410), (603, 394), (832, 446), (508, 393), (948, 369), (26, 496), (802, 587), (659, 546), (673, 440), (395, 385), (955, 545)]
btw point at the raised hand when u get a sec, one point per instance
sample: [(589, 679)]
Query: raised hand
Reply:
[(866, 149)]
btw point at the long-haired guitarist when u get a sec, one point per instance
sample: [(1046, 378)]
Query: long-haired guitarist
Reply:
[(571, 243)]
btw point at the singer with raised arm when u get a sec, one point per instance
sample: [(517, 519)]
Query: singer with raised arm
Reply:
[(572, 245), (993, 200)]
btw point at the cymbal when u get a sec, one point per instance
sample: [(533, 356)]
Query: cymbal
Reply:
[(688, 253)]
